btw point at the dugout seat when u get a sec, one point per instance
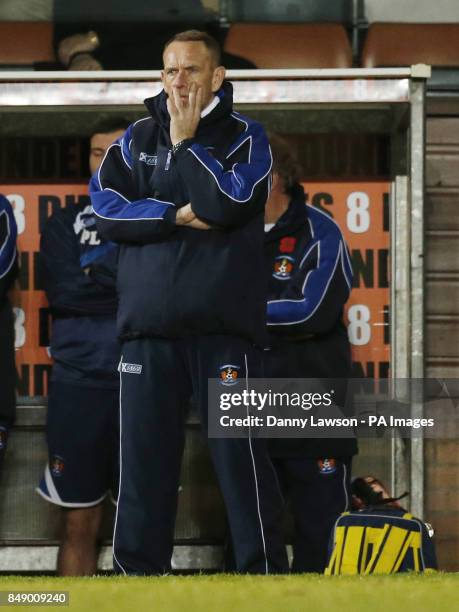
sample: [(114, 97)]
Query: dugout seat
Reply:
[(404, 44), (295, 11), (285, 45), (22, 43)]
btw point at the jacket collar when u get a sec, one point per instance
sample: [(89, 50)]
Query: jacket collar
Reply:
[(293, 218)]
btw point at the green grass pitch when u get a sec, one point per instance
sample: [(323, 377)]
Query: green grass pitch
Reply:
[(226, 593)]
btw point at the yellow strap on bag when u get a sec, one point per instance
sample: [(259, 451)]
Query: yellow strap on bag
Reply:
[(414, 543), (346, 551), (351, 545), (374, 535), (378, 538), (351, 552), (389, 551)]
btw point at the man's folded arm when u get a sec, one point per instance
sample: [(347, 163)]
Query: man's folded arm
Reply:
[(69, 290), (232, 194), (120, 215), (313, 301)]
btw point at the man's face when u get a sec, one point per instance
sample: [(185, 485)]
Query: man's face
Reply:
[(98, 146), (191, 62)]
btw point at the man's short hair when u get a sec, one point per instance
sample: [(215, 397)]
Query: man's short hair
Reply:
[(285, 162), (107, 126), (198, 36)]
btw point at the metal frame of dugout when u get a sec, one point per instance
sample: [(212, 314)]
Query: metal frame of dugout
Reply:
[(386, 100)]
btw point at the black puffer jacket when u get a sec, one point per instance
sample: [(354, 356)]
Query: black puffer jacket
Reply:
[(175, 281)]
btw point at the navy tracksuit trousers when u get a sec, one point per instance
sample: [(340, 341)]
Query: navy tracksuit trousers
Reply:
[(158, 377), (318, 491), (315, 472)]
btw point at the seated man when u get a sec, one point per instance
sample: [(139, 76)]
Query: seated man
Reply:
[(78, 269), (115, 35), (310, 280)]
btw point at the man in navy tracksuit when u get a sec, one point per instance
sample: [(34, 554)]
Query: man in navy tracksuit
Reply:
[(184, 195), (8, 272), (79, 274), (310, 279)]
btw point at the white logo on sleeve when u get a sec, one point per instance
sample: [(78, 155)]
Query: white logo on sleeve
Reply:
[(131, 368)]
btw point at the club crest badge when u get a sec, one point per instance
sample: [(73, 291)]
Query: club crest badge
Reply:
[(283, 267), (229, 374), (327, 465), (56, 466)]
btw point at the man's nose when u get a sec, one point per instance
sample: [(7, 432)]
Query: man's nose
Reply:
[(180, 79)]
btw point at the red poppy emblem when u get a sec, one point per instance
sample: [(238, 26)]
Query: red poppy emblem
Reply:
[(287, 244)]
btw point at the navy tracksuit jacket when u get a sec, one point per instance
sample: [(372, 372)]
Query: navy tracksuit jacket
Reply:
[(8, 272), (174, 281), (310, 279), (191, 303), (78, 271)]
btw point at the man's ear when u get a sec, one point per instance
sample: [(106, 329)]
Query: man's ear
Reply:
[(162, 77), (217, 78)]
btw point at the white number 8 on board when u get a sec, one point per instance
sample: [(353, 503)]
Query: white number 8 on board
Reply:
[(359, 330), (358, 215)]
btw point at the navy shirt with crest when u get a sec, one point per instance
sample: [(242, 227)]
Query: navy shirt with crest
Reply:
[(310, 279), (310, 273)]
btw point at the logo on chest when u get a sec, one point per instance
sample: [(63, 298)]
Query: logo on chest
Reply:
[(150, 160), (283, 267), (85, 227), (89, 237)]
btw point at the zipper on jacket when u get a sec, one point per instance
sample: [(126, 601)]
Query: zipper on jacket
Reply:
[(168, 160)]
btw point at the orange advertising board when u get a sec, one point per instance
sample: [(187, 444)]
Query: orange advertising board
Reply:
[(361, 210)]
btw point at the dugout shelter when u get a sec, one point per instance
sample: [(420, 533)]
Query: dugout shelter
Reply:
[(361, 136)]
